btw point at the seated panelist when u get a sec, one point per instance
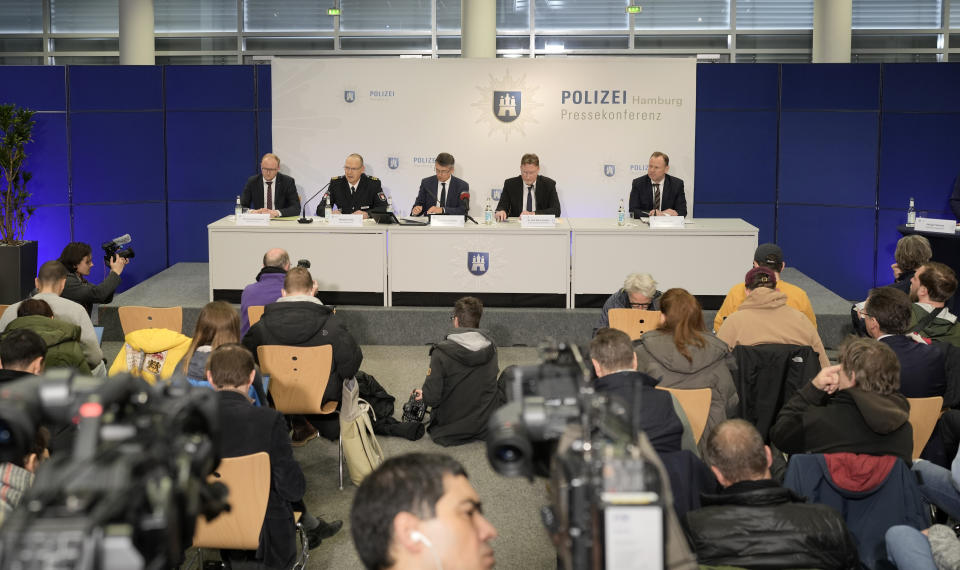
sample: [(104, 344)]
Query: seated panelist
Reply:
[(529, 193), (354, 192), (441, 194), (271, 192), (657, 193)]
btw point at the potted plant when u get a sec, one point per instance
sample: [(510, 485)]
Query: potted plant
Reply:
[(18, 258)]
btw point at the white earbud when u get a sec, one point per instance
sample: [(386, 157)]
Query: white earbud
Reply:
[(418, 536)]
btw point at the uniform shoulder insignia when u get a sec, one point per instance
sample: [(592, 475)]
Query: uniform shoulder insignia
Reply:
[(373, 178)]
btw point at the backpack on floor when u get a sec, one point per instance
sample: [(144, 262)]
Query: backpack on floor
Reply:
[(361, 450)]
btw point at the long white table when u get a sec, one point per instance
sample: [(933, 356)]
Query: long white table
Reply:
[(578, 256)]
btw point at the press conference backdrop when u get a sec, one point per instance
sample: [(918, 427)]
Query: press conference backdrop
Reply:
[(593, 123)]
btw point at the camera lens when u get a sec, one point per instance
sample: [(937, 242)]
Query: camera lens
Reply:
[(508, 453)]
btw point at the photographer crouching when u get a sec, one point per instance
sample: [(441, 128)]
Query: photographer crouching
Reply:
[(78, 259)]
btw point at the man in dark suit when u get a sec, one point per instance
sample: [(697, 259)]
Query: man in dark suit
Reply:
[(886, 316), (657, 193), (251, 429), (354, 192), (271, 192), (443, 193), (528, 193)]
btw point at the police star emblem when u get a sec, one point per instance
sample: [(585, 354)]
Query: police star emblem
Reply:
[(349, 96), (506, 105)]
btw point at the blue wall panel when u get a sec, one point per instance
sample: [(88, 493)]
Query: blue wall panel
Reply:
[(264, 90), (192, 135), (828, 157), (920, 157), (117, 156), (729, 145), (47, 159), (115, 88), (760, 215), (189, 241), (737, 86), (36, 87), (831, 86), (887, 236), (832, 245), (196, 87), (146, 224), (50, 226), (264, 134), (930, 87)]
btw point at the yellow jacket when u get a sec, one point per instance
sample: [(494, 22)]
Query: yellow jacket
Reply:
[(796, 298), (151, 354)]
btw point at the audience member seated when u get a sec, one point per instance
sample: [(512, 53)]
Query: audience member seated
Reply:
[(250, 429), (420, 511), (615, 363), (886, 316), (50, 281), (680, 353), (298, 318), (912, 252), (930, 288), (16, 470), (461, 386), (217, 324), (754, 522), (152, 354), (266, 289), (765, 318), (851, 407), (768, 255), (21, 354), (77, 257), (639, 292), (61, 338)]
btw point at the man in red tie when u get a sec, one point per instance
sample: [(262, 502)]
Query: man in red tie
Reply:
[(271, 192)]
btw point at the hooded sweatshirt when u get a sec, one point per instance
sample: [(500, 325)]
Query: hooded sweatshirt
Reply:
[(461, 386), (266, 290), (764, 318), (709, 367), (151, 353), (62, 339), (852, 420)]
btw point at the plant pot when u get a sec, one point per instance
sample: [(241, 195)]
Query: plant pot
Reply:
[(18, 268)]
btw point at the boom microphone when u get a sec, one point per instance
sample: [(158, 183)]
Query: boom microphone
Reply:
[(303, 211), (117, 242)]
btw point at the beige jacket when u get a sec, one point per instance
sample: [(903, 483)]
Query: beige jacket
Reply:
[(765, 318)]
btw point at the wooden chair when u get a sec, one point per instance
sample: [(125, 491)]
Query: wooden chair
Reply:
[(696, 404), (298, 379), (134, 318), (924, 413), (254, 312), (634, 322), (3, 308)]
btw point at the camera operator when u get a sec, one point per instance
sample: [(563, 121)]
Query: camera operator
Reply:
[(77, 257)]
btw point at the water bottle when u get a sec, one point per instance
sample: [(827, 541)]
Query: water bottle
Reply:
[(621, 215), (488, 213), (911, 215), (237, 210), (390, 204), (328, 210)]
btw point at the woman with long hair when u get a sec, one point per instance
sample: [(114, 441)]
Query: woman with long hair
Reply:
[(680, 353)]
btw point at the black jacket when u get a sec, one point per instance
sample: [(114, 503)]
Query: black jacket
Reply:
[(922, 366), (513, 198), (657, 417), (369, 196), (304, 323), (250, 429), (759, 524), (851, 420), (285, 197), (672, 196), (81, 291), (461, 386)]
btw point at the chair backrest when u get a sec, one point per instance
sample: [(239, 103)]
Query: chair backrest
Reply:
[(254, 312), (298, 377), (248, 478), (134, 318), (3, 308), (634, 322), (696, 404), (924, 413)]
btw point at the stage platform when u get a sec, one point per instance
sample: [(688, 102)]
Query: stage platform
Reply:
[(187, 285)]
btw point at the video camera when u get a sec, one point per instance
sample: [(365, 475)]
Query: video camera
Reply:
[(607, 507), (115, 247), (128, 493)]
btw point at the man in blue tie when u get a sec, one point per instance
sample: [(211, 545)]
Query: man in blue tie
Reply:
[(529, 193), (443, 193)]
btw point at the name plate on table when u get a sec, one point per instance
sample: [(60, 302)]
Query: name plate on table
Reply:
[(346, 220), (538, 221), (935, 225), (446, 221), (660, 222), (253, 220)]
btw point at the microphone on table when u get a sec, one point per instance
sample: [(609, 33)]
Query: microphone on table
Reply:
[(303, 211), (465, 198)]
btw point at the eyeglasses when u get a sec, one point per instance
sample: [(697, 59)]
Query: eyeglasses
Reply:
[(639, 305), (443, 171), (262, 169), (452, 317), (864, 314)]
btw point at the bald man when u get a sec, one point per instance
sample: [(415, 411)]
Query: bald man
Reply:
[(267, 287), (271, 192)]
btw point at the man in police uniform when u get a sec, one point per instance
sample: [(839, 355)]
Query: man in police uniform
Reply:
[(354, 192)]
